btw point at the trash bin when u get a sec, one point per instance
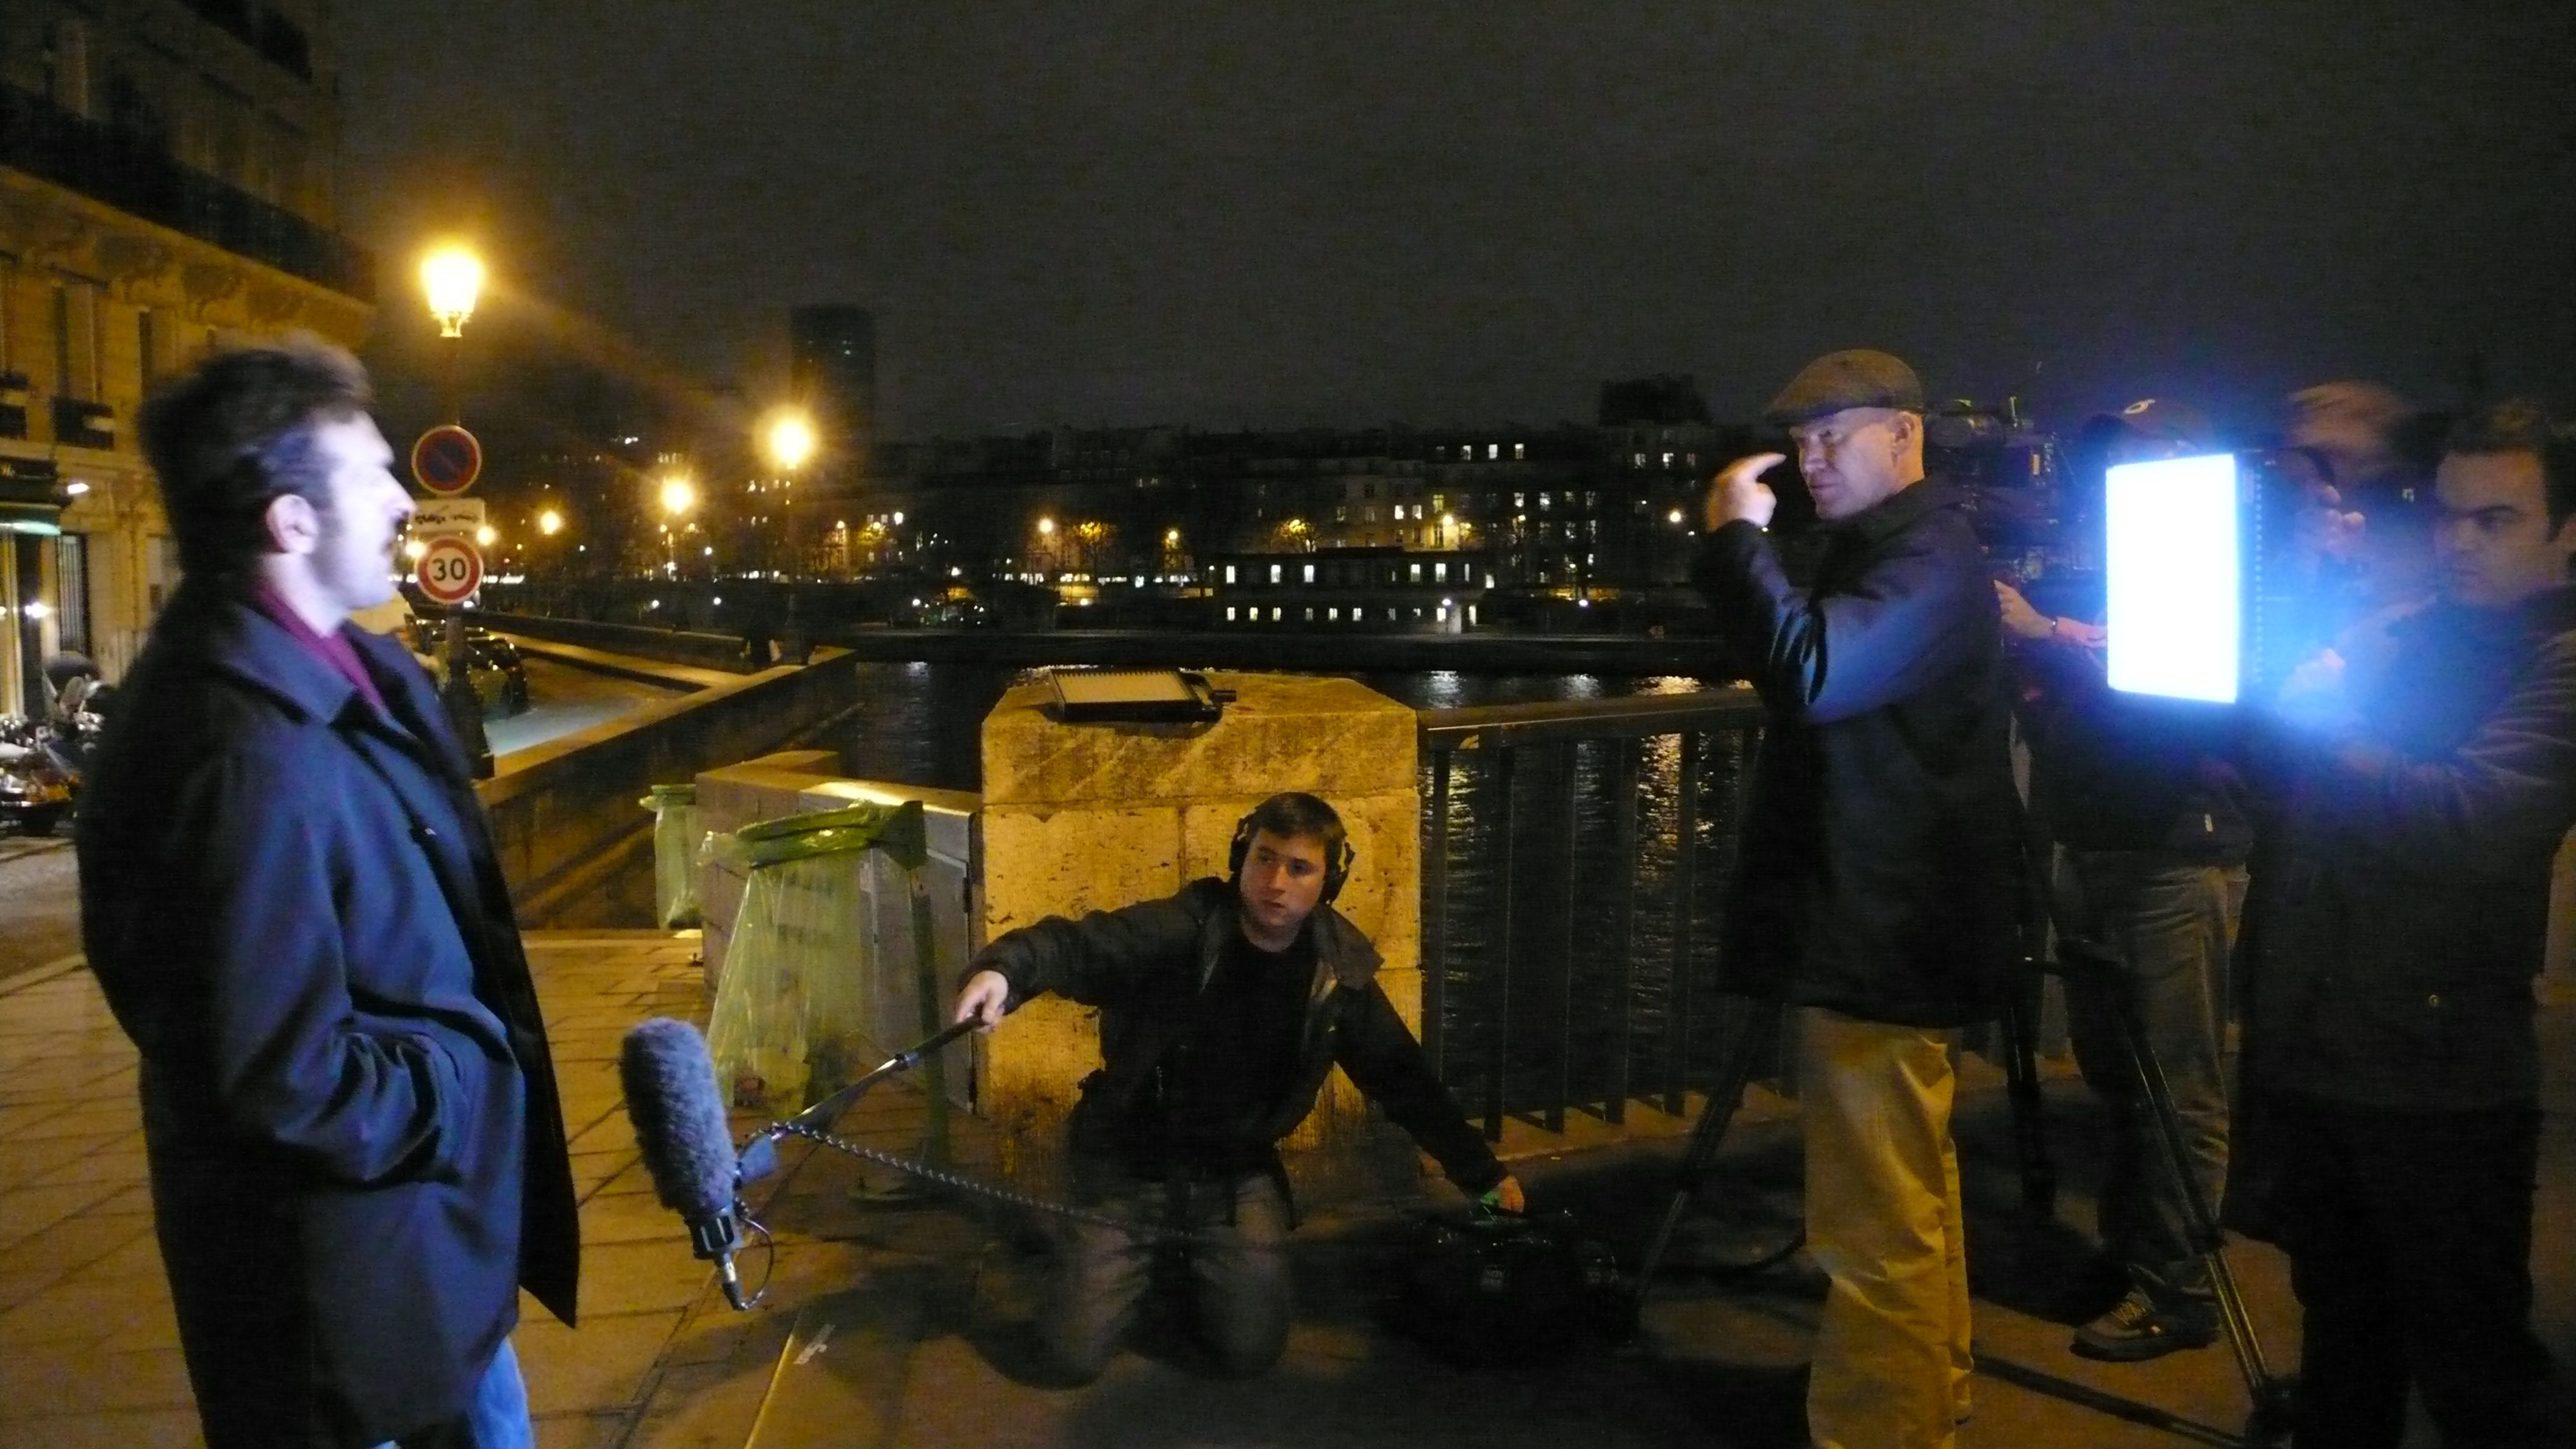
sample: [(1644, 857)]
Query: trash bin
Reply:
[(830, 967), (675, 854)]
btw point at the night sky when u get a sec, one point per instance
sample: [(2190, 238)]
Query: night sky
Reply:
[(1120, 212)]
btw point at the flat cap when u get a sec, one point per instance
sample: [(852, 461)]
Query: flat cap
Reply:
[(1854, 378)]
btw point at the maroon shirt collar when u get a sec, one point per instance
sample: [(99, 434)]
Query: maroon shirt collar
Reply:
[(331, 648)]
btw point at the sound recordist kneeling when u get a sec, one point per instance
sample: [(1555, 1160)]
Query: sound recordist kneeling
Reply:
[(1222, 1009)]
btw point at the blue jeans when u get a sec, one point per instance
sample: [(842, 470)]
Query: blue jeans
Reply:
[(497, 1419), (1238, 1268), (2165, 925)]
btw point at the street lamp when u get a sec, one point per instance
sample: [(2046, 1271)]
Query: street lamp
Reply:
[(549, 523), (451, 277), (788, 436), (679, 495)]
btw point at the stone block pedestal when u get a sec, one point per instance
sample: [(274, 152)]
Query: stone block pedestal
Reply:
[(1085, 817)]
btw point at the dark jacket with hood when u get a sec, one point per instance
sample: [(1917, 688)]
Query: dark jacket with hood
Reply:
[(1879, 859), (357, 1152), (1144, 966), (2400, 905)]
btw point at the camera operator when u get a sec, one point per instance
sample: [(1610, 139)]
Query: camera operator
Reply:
[(2151, 822), (2355, 478), (2414, 790), (1876, 888)]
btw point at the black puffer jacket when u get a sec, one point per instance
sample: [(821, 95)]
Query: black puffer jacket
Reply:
[(1144, 965), (2400, 905), (1880, 849)]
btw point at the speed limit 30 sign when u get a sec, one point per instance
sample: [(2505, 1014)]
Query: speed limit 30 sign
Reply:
[(451, 569)]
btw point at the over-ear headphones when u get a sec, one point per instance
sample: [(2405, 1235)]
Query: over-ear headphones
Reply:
[(1337, 859)]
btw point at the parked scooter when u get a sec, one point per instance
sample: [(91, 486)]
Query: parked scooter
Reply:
[(39, 779)]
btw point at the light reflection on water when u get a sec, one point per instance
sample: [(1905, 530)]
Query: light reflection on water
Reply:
[(921, 724)]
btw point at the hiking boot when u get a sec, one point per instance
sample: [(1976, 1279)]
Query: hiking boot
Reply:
[(2137, 1330)]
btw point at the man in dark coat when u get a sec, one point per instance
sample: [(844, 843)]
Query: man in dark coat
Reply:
[(2141, 798), (291, 901), (2399, 912), (1223, 1007), (1877, 881)]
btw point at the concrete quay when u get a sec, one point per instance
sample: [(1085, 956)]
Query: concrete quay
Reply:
[(896, 1318)]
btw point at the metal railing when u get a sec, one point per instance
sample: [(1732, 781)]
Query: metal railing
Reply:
[(1566, 884)]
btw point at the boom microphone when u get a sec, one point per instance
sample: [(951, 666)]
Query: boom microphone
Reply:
[(679, 1120)]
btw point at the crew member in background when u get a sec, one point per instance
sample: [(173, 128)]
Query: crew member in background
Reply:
[(1223, 1007), (2149, 818), (1877, 890), (2420, 784), (292, 903)]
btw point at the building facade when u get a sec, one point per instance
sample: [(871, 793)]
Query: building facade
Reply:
[(166, 185)]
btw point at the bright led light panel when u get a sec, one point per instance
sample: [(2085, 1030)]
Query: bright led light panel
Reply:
[(2175, 570)]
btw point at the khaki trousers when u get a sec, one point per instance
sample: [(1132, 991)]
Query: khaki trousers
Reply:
[(1892, 1362)]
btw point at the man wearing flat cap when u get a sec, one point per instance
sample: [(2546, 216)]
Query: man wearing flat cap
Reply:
[(1876, 894)]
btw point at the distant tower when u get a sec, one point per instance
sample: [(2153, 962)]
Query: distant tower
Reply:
[(833, 368)]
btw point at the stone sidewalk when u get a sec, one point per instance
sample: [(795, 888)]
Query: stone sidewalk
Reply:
[(897, 1319)]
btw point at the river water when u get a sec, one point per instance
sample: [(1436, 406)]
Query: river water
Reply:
[(1564, 998)]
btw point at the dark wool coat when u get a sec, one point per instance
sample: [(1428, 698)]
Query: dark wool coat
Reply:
[(356, 1148), (1880, 850), (2400, 906)]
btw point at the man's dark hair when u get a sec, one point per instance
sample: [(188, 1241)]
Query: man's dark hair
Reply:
[(235, 432), (1296, 815), (2519, 425)]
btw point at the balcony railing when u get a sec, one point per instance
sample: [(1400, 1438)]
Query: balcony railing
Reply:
[(81, 424), (134, 174), (1570, 880)]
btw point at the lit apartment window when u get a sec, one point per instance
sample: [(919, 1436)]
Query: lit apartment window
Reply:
[(1310, 575), (1274, 573), (1274, 613), (1332, 616), (1310, 613), (1439, 572), (1341, 513), (1520, 450), (1439, 504), (1639, 460), (1543, 501), (1471, 614), (1229, 576), (1668, 460), (1443, 615), (1390, 616), (1493, 450), (1414, 574), (1229, 613), (1489, 581)]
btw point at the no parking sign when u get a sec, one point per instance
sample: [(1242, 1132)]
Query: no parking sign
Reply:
[(447, 459), (451, 569)]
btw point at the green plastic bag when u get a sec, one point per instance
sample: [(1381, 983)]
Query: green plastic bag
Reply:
[(816, 987), (675, 855)]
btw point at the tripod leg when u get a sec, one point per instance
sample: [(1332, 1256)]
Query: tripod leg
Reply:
[(2021, 1070), (2207, 1236), (1726, 1095)]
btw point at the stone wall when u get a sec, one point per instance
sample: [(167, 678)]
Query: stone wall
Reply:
[(565, 813), (1083, 817)]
